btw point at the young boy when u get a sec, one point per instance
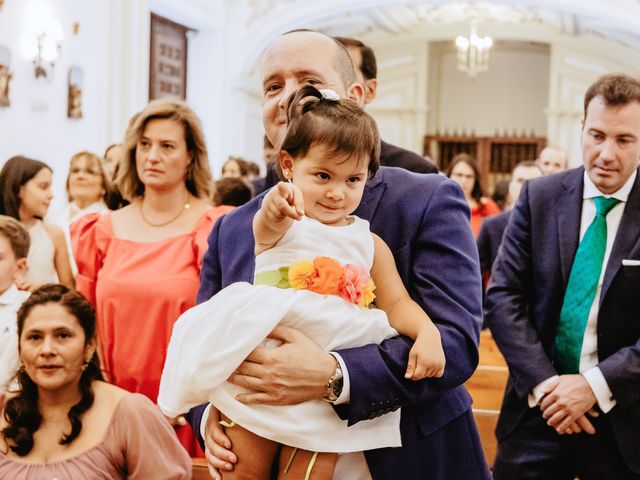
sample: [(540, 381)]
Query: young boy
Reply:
[(14, 247)]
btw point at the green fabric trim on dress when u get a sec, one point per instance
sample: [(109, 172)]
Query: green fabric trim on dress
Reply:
[(273, 278)]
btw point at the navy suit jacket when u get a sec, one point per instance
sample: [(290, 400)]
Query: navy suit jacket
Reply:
[(526, 292), (489, 240), (392, 156), (425, 221)]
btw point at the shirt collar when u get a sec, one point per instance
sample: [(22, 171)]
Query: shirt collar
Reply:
[(11, 296), (591, 191)]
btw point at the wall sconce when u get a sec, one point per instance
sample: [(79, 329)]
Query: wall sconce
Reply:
[(49, 46)]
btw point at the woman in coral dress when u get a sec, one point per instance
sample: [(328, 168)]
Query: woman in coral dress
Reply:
[(464, 171), (140, 265)]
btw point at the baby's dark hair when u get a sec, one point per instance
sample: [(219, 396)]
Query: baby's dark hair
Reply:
[(341, 126)]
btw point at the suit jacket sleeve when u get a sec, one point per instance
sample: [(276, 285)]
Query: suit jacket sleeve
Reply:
[(509, 304), (445, 281), (210, 276)]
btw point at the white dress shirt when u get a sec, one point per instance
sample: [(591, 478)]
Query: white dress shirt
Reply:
[(10, 301), (589, 353)]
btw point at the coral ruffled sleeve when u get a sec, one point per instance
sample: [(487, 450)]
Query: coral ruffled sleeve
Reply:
[(147, 443), (90, 237), (203, 229)]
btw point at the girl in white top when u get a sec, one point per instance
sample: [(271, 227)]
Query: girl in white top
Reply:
[(316, 265), (26, 194), (87, 192)]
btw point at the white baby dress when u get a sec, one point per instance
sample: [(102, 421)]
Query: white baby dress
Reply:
[(210, 340)]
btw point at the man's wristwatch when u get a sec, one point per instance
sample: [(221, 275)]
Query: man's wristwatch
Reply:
[(334, 384)]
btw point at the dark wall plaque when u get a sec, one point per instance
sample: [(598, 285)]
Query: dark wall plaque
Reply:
[(168, 59)]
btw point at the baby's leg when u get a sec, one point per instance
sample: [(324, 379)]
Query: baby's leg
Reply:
[(255, 454), (295, 464)]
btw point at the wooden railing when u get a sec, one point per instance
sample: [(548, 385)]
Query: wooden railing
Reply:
[(496, 156)]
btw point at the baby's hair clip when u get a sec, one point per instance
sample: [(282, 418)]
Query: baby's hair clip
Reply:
[(328, 94)]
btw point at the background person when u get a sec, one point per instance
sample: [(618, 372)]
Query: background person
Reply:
[(25, 191), (64, 422), (232, 192), (88, 191), (492, 229), (235, 167), (464, 171), (14, 248), (553, 160), (143, 261), (366, 70), (111, 158)]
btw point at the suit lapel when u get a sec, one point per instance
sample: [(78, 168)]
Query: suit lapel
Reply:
[(569, 214), (373, 191), (627, 237)]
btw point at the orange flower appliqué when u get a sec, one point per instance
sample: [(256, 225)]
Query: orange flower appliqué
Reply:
[(328, 276)]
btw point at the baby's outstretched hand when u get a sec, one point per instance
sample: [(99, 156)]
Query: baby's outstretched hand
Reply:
[(426, 358), (284, 201)]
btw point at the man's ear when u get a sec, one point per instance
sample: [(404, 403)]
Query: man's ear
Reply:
[(21, 268), (355, 92), (286, 164), (370, 90)]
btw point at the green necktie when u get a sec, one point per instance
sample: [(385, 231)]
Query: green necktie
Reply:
[(581, 289)]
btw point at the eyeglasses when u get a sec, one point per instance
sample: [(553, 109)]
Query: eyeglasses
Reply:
[(87, 171)]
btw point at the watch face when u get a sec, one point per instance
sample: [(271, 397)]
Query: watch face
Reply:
[(336, 388)]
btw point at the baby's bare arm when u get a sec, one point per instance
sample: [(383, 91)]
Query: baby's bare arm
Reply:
[(426, 358)]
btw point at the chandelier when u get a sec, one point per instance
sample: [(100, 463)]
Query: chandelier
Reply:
[(473, 52)]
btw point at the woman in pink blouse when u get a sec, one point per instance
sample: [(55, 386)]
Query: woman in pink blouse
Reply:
[(64, 422)]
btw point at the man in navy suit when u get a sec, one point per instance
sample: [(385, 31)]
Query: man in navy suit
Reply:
[(425, 221), (490, 236), (563, 306)]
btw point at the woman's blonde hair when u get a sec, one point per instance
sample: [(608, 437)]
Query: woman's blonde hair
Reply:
[(198, 178)]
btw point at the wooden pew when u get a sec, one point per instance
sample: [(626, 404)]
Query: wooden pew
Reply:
[(200, 469), (486, 387)]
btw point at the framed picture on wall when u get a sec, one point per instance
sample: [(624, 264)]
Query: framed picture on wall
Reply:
[(168, 59), (5, 76), (74, 92)]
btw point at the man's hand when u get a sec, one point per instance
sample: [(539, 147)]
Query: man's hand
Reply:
[(294, 372), (217, 446), (565, 405)]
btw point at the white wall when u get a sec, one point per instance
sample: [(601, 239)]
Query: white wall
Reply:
[(510, 97), (112, 46), (36, 123)]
